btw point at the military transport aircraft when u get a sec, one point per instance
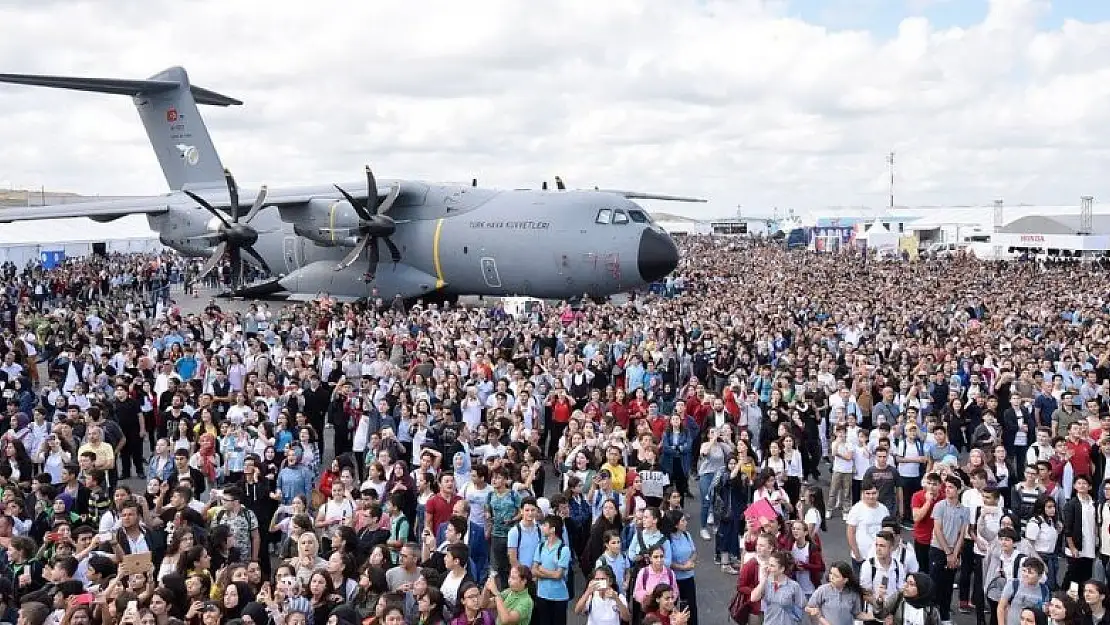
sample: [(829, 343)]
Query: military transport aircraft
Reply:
[(442, 240)]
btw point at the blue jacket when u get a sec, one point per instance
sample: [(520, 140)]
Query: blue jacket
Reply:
[(679, 452), (475, 540)]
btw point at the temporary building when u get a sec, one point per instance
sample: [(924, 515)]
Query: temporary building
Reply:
[(51, 240), (878, 237)]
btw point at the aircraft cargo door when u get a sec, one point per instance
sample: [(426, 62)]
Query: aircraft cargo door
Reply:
[(489, 273)]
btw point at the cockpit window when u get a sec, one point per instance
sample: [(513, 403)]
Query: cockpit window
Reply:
[(619, 217), (638, 216), (604, 216)]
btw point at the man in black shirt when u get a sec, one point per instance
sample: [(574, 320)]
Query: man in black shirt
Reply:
[(126, 412)]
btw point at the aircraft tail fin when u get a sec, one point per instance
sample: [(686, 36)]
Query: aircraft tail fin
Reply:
[(167, 104)]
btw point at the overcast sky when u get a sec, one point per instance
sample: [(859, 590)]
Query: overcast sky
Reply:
[(789, 103)]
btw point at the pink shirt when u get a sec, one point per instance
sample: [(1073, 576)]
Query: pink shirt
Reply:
[(648, 579)]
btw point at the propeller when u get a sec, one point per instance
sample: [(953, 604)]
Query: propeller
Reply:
[(375, 224), (234, 237)]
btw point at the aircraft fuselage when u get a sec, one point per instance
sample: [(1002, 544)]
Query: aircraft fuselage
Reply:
[(454, 240)]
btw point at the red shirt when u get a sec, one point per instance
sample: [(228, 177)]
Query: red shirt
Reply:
[(560, 410), (1080, 457), (439, 509), (923, 529)]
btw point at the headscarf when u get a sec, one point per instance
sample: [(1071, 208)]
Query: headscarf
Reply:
[(462, 474), (924, 591), (404, 479), (207, 456)]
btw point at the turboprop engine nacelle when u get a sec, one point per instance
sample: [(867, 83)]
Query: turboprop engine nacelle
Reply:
[(331, 223)]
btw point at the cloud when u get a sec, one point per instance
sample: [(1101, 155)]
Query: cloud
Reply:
[(730, 99)]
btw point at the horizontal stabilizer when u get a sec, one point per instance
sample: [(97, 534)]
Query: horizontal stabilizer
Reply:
[(117, 86), (637, 195)]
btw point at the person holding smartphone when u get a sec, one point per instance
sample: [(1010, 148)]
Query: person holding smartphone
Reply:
[(602, 601)]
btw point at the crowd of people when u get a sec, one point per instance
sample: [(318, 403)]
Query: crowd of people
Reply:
[(365, 464)]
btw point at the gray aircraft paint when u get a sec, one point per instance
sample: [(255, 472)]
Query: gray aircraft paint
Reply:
[(454, 240)]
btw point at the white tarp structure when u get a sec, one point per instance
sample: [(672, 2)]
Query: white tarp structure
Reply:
[(878, 237), (25, 241)]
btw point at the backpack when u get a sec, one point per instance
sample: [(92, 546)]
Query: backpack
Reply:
[(519, 532), (994, 588), (410, 536), (897, 568), (251, 524), (641, 560), (1046, 593), (920, 448), (721, 499)]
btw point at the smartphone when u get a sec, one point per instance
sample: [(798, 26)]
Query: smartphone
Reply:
[(680, 606), (84, 598), (885, 581), (132, 606)]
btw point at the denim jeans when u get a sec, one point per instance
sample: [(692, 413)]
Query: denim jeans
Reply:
[(705, 481)]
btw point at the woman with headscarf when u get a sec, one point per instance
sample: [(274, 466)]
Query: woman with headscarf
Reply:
[(461, 462), (207, 459), (913, 605), (400, 481)]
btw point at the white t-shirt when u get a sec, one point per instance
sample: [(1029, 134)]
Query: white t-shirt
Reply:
[(868, 523), (477, 498), (912, 615), (862, 461), (604, 611), (813, 517)]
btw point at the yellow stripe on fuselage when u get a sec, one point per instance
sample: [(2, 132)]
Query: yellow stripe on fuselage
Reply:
[(331, 219), (435, 254)]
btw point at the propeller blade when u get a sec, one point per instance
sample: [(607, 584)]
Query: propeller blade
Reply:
[(393, 251), (359, 209), (559, 184), (254, 254), (375, 258), (353, 255), (387, 204), (233, 192), (371, 192), (545, 185), (259, 202), (204, 204), (213, 260)]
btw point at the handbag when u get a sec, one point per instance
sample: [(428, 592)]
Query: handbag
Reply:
[(739, 609)]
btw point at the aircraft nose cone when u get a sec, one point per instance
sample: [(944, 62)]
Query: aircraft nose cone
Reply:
[(658, 256)]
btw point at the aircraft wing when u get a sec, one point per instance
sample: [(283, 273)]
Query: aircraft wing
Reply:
[(107, 210), (639, 195), (96, 209)]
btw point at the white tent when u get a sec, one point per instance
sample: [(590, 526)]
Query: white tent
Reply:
[(878, 237), (25, 241)]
